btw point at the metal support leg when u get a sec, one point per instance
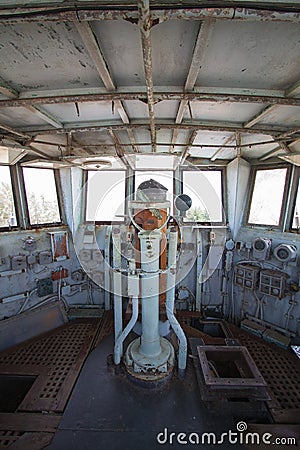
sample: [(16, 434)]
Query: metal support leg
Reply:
[(171, 283)]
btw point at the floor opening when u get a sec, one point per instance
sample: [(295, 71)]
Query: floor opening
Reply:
[(13, 389)]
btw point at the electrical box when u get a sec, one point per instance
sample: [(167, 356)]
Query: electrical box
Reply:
[(273, 283), (45, 257), (261, 248), (44, 287), (246, 276), (18, 262), (59, 274), (31, 259)]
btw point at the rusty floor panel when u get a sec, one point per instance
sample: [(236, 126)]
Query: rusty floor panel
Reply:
[(55, 359), (280, 368), (25, 430)]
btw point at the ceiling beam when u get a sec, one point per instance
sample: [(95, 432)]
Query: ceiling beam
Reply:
[(154, 97), (157, 89), (185, 151), (204, 32), (145, 27), (13, 131), (217, 152), (11, 93), (97, 10), (293, 91), (93, 47), (7, 90), (281, 147), (119, 148), (163, 124)]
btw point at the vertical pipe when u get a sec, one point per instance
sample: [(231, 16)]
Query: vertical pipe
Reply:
[(107, 271), (171, 283), (117, 280), (118, 350), (199, 272), (150, 249)]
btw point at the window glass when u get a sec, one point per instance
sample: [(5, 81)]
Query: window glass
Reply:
[(267, 196), (164, 177), (41, 196), (105, 195), (296, 214), (7, 206), (205, 190)]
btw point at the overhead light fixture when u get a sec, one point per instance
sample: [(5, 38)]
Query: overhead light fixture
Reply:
[(96, 164), (292, 158)]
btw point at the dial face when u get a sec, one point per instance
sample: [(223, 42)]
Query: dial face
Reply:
[(230, 244), (283, 254), (260, 245)]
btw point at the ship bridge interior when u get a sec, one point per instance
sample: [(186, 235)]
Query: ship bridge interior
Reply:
[(149, 224)]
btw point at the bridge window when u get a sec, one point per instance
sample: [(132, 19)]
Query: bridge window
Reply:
[(205, 189), (164, 177), (41, 194), (7, 206), (267, 197), (296, 212), (105, 197)]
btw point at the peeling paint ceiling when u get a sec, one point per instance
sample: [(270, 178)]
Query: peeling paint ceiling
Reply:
[(161, 77)]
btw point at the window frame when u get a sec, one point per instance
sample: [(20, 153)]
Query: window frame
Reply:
[(284, 203), (59, 200), (223, 190), (85, 193), (15, 201), (294, 188)]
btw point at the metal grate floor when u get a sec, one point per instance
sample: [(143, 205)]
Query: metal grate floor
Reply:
[(8, 438), (280, 369), (55, 359)]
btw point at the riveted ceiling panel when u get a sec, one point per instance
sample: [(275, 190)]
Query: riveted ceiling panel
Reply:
[(253, 55), (45, 56)]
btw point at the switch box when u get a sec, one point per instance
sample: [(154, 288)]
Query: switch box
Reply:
[(44, 287), (45, 257), (246, 276), (31, 259), (18, 263), (272, 283)]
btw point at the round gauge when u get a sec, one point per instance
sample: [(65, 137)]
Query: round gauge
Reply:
[(230, 244), (283, 254), (259, 245)]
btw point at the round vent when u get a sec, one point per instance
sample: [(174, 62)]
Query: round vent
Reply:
[(285, 253)]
